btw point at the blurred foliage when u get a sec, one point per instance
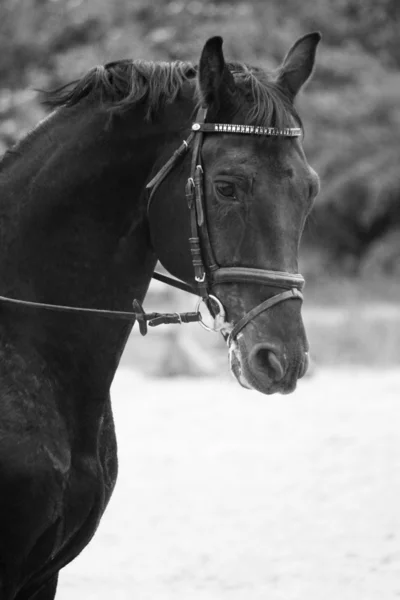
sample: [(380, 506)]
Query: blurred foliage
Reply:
[(351, 109)]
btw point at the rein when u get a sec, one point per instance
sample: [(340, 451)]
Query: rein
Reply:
[(138, 314), (207, 272)]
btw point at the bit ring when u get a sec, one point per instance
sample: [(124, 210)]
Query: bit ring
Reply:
[(219, 319)]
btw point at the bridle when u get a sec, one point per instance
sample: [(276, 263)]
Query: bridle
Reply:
[(207, 272)]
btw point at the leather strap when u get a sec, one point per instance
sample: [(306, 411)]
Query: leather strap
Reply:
[(246, 129), (153, 319), (262, 276), (167, 168), (176, 283), (252, 314), (198, 178), (240, 275), (194, 197)]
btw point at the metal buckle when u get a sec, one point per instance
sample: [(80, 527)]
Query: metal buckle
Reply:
[(200, 279), (219, 319)]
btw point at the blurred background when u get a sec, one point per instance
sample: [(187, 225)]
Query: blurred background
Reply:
[(220, 495)]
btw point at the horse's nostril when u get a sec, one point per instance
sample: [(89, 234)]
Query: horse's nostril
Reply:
[(265, 360)]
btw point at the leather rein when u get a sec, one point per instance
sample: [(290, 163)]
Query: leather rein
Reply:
[(207, 272)]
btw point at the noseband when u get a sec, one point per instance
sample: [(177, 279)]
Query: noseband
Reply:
[(207, 272)]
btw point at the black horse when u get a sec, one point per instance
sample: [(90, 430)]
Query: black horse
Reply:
[(77, 229)]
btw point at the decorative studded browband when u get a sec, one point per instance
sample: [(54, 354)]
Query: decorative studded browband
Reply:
[(247, 129), (207, 272)]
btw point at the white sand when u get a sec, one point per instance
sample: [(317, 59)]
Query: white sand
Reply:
[(224, 493)]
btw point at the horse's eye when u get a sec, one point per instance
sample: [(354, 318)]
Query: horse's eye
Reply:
[(226, 189)]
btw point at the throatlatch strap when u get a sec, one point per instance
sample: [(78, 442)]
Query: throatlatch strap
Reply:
[(153, 184), (176, 283)]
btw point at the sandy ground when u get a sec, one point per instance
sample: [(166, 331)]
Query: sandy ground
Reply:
[(225, 493)]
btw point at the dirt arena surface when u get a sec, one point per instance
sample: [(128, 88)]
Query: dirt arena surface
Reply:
[(225, 493)]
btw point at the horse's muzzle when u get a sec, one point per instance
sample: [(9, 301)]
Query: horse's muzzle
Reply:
[(266, 368)]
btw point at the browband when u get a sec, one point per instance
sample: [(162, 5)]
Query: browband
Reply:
[(249, 129)]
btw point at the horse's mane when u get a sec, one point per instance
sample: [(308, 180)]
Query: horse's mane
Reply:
[(122, 84)]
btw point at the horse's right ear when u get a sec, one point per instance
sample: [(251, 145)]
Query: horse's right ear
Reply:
[(214, 76), (298, 65)]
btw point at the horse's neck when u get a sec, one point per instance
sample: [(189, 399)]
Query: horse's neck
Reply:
[(75, 233)]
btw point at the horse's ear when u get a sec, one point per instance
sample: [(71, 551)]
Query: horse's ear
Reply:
[(298, 64), (214, 79)]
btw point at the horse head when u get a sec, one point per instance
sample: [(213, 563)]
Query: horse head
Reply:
[(255, 192)]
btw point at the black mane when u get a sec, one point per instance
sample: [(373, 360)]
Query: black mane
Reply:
[(122, 84)]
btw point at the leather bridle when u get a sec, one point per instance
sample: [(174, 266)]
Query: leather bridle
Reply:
[(207, 272)]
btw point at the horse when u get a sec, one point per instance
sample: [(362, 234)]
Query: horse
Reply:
[(99, 191)]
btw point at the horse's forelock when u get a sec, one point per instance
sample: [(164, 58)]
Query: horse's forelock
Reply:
[(122, 84)]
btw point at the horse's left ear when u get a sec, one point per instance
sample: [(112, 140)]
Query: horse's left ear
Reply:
[(215, 80), (298, 64)]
